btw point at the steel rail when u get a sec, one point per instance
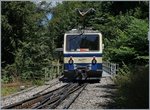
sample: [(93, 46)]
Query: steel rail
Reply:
[(46, 88), (53, 101), (54, 98), (64, 96), (49, 99), (74, 98), (35, 99)]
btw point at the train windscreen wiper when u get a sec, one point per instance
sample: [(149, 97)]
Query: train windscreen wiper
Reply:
[(76, 36)]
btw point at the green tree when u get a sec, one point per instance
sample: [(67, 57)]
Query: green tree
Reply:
[(125, 47), (26, 45)]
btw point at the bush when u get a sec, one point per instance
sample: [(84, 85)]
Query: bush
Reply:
[(133, 87), (10, 74), (38, 82)]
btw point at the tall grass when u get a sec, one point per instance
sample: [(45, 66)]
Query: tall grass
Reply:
[(9, 90), (133, 87)]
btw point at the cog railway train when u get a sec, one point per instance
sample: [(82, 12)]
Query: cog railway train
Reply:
[(82, 54)]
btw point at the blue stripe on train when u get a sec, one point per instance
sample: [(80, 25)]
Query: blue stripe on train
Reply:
[(83, 55), (93, 67)]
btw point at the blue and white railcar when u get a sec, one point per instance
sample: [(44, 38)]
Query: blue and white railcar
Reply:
[(83, 54)]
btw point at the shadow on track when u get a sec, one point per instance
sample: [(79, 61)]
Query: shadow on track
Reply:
[(91, 81)]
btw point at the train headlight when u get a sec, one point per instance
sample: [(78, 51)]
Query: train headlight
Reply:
[(94, 61), (70, 61)]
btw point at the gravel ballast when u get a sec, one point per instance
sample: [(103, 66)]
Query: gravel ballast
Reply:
[(28, 94), (95, 96)]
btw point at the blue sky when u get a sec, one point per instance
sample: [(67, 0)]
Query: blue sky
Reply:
[(49, 16)]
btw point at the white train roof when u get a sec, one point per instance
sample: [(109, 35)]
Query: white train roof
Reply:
[(82, 31)]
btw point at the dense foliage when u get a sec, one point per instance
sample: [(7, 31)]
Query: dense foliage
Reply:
[(29, 39), (133, 87), (26, 44)]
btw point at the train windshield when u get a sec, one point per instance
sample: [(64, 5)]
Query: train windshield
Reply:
[(82, 43)]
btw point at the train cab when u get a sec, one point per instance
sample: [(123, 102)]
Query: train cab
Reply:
[(82, 54)]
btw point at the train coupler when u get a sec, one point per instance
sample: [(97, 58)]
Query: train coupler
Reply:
[(81, 74)]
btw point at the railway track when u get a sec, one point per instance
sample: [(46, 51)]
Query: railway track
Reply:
[(28, 93), (49, 99), (66, 106), (50, 85)]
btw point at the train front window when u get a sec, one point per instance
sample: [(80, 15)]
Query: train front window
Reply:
[(82, 43)]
